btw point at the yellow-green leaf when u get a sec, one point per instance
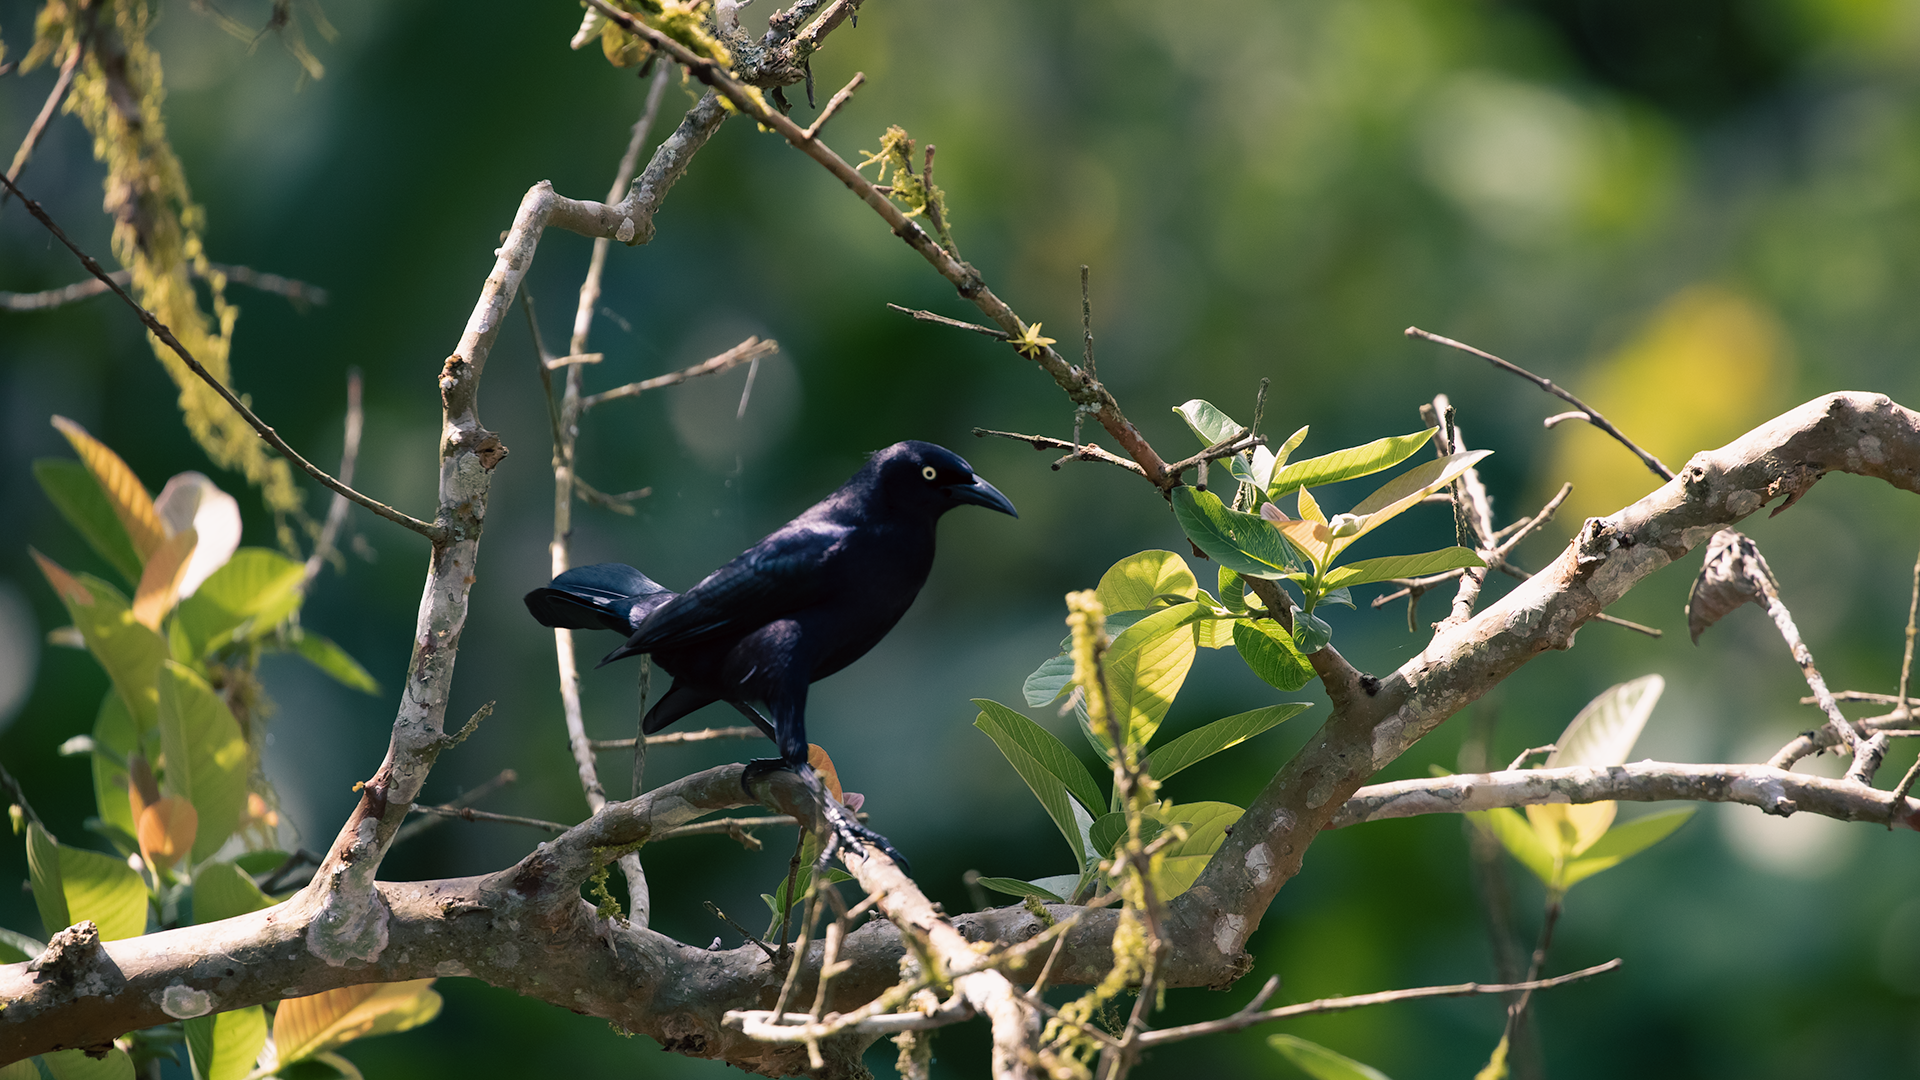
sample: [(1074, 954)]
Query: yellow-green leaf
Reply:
[(1368, 571), (1405, 491), (114, 737), (72, 884), (160, 581), (1146, 667), (206, 755), (307, 1026), (1179, 864), (1132, 583), (76, 1065), (1321, 1063), (1519, 838), (1346, 464), (1270, 651), (1602, 734), (251, 594), (77, 495), (1205, 741), (226, 1045), (130, 652), (124, 492), (1625, 841)]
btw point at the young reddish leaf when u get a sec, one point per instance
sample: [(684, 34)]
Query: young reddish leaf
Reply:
[(166, 831), (160, 581)]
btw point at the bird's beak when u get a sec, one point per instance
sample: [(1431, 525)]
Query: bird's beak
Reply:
[(981, 493)]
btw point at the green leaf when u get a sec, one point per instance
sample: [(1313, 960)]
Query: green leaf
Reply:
[(1135, 582), (1624, 841), (1204, 742), (24, 1069), (16, 946), (1368, 571), (115, 738), (1287, 448), (225, 1045), (306, 1027), (1604, 732), (1321, 1063), (1346, 464), (1213, 633), (1233, 592), (1212, 426), (77, 495), (1111, 828), (222, 890), (1062, 885), (255, 863), (1002, 723), (1016, 887), (1048, 681), (1179, 864), (76, 1065), (1270, 651), (1013, 739), (253, 593), (1405, 491), (1310, 632), (72, 884), (1243, 543), (1517, 835), (130, 652), (1146, 666), (332, 659), (206, 755)]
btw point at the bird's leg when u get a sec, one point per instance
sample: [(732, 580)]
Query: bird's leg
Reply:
[(842, 826)]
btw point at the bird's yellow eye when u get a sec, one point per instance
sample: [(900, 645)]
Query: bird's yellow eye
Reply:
[(928, 471)]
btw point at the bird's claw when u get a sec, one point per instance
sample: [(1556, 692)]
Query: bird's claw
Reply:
[(843, 828)]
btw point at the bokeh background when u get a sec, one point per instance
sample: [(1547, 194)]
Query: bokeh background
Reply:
[(1695, 214)]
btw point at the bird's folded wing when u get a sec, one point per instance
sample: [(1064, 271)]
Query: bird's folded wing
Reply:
[(793, 569)]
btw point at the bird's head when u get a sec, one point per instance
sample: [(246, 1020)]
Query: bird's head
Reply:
[(923, 474)]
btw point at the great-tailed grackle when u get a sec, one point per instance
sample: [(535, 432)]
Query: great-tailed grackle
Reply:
[(799, 605)]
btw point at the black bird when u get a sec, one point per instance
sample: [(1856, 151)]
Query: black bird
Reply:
[(799, 605)]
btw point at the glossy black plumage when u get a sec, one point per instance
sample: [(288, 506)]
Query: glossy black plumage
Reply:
[(803, 603)]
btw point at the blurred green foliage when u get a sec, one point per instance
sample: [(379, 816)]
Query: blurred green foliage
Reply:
[(1694, 215)]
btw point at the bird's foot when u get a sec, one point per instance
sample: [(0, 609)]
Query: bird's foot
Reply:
[(842, 826)]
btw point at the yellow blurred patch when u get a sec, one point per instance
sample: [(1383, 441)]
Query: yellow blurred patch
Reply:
[(1707, 366)]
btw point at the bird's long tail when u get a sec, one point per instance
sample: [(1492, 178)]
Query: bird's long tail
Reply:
[(604, 596)]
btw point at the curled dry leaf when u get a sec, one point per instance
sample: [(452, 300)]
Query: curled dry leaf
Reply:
[(1734, 573)]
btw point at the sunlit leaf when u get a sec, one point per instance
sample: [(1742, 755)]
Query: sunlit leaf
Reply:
[(1213, 426), (72, 884), (1347, 464), (76, 1065), (206, 755), (123, 490), (1405, 491), (1321, 1063), (1243, 543), (1602, 734), (130, 652), (1133, 583), (1146, 666), (1517, 835), (1309, 507), (77, 495), (222, 890), (1287, 448), (250, 595), (1213, 633), (1271, 652), (1368, 571), (999, 722), (160, 581), (1310, 538), (1178, 865), (306, 1026), (332, 659), (1205, 741), (224, 1046), (1016, 887), (1624, 841)]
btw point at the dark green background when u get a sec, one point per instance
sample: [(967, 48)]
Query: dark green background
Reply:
[(1263, 188)]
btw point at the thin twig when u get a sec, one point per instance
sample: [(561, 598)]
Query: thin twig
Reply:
[(920, 315), (751, 349), (298, 293), (39, 126), (323, 547), (432, 532), (414, 828), (1587, 411), (1081, 451), (467, 813), (1359, 1001), (702, 735), (1906, 668), (834, 103)]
